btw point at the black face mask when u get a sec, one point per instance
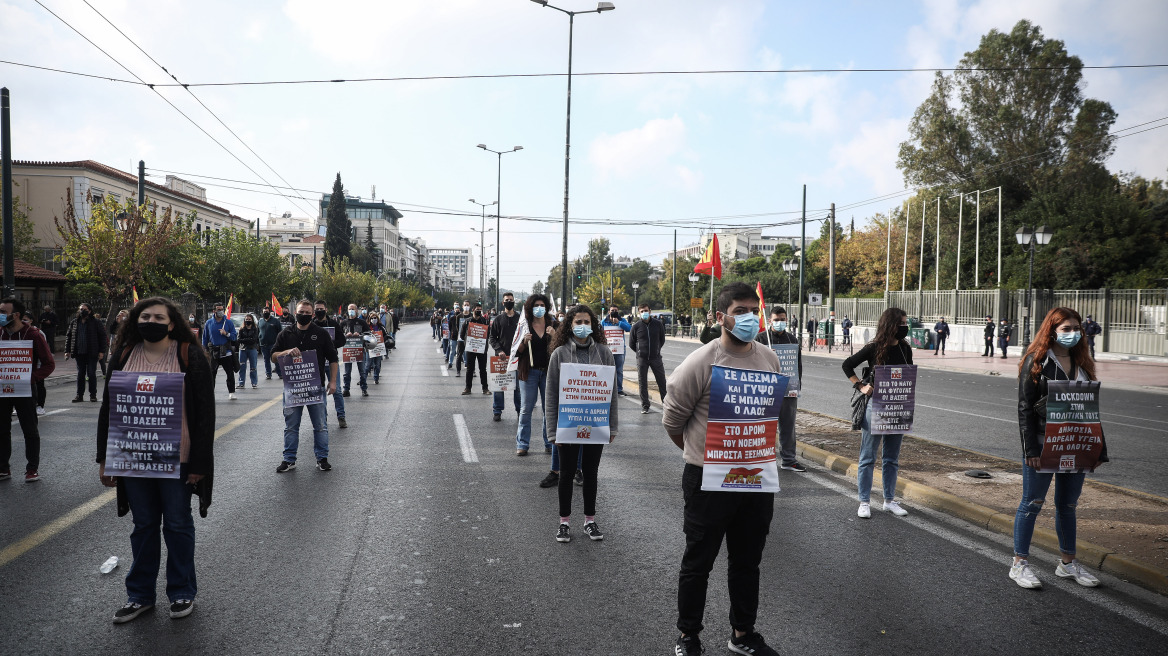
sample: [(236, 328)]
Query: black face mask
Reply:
[(508, 305), (153, 332), (247, 323), (305, 319), (319, 315), (478, 313), (267, 316), (84, 314), (901, 332)]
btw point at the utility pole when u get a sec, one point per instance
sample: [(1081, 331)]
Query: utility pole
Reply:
[(831, 279), (802, 265), (673, 302), (6, 191), (141, 182)]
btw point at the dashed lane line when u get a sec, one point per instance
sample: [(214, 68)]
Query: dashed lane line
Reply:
[(468, 450)]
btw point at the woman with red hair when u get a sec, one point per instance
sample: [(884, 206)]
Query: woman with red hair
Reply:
[(1058, 352)]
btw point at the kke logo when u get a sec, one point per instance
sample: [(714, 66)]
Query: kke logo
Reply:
[(743, 476), (145, 384), (8, 388), (583, 432), (895, 373), (1066, 462), (298, 359)]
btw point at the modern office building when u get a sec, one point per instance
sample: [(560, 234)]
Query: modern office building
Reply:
[(376, 216), (457, 263)]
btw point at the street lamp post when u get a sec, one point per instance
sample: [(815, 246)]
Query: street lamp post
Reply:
[(498, 219), (600, 8), (1030, 240), (482, 238), (693, 279), (636, 286), (790, 266)]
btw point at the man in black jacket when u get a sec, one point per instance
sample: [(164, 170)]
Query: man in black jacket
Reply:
[(646, 339), (989, 338), (48, 323), (322, 319), (307, 336), (812, 326), (500, 336), (942, 330), (86, 343), (1004, 334), (270, 328), (778, 334), (354, 326)]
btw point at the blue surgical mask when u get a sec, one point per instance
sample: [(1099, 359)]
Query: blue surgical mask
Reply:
[(779, 326), (352, 313), (582, 330), (539, 311), (745, 327), (1067, 340), (645, 316), (3, 319)]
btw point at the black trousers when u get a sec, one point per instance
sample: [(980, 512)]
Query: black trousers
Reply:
[(643, 367), (86, 366), (228, 363), (940, 346), (569, 456), (471, 358), (744, 519), (989, 349), (39, 392), (26, 413)]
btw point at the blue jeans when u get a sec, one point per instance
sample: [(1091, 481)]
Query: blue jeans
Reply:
[(266, 354), (869, 445), (373, 366), (620, 372), (497, 405), (529, 391), (161, 503), (453, 353), (360, 372), (1067, 488), (446, 346), (248, 357), (319, 417)]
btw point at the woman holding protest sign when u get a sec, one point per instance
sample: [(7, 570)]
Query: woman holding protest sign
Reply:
[(376, 332), (1058, 353), (581, 409), (887, 348), (174, 459), (532, 361)]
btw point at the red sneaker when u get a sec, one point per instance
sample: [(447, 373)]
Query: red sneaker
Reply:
[(31, 476)]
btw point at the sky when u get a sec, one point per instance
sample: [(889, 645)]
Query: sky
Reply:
[(665, 149)]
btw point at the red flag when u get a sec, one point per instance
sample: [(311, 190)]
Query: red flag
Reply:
[(135, 288), (711, 262), (762, 315), (230, 304), (276, 307)]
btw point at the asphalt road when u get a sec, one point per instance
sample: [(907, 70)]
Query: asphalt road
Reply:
[(979, 412), (414, 545)]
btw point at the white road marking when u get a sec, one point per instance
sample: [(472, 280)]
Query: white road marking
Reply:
[(468, 450), (444, 370), (53, 412)]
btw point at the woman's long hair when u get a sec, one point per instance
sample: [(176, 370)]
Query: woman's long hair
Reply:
[(886, 329), (1044, 338), (128, 336), (530, 303), (564, 334)]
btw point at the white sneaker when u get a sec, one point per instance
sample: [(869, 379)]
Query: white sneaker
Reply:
[(231, 396), (865, 511), (894, 508), (1022, 575), (1076, 571), (40, 411)]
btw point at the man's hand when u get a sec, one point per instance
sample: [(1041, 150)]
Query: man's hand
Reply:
[(108, 481), (611, 436), (332, 388), (294, 352), (194, 478)]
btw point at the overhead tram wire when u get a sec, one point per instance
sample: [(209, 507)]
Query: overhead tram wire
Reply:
[(197, 99), (164, 98)]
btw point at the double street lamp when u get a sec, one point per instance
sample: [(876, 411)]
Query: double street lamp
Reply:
[(1030, 240), (636, 286), (482, 240), (790, 266), (498, 194), (600, 8)]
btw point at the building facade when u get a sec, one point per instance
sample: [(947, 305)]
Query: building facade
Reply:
[(457, 263), (372, 216)]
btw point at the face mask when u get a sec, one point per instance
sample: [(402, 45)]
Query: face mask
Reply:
[(352, 313), (478, 313), (1067, 340), (363, 312), (645, 316), (560, 318), (779, 325), (508, 305), (247, 323), (373, 320), (901, 332), (153, 332), (192, 320), (85, 313), (218, 314), (465, 308), (582, 330), (745, 327), (319, 314), (267, 316), (305, 319), (538, 311)]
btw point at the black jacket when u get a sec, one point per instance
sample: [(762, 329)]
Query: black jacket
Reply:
[(270, 330), (199, 400), (96, 340), (989, 330), (248, 338), (901, 355), (1032, 405), (502, 332), (646, 338), (338, 334)]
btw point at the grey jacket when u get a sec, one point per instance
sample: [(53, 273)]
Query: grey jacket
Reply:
[(597, 354)]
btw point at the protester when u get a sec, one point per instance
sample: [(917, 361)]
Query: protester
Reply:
[(646, 337), (942, 330), (812, 326), (447, 340), (85, 342), (219, 338), (742, 517), (1004, 334), (780, 335), (249, 342), (48, 324), (393, 325), (1091, 330), (473, 358), (42, 364), (500, 336), (355, 326), (435, 324), (455, 320), (463, 319), (321, 318), (614, 319), (157, 339), (376, 329), (270, 328), (308, 336), (533, 355), (989, 338), (847, 324), (888, 347), (579, 340), (711, 330), (1057, 353)]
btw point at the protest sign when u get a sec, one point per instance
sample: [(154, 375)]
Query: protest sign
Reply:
[(585, 398), (16, 368), (445, 329), (894, 398), (1074, 436), (615, 336), (331, 331), (353, 350), (378, 351), (145, 425), (302, 384), (741, 430), (498, 378), (789, 365), (520, 331), (476, 337)]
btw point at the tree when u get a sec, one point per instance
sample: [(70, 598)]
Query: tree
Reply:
[(537, 288), (599, 256), (597, 289), (339, 229), (342, 283), (492, 289), (117, 244), (24, 241), (371, 248)]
